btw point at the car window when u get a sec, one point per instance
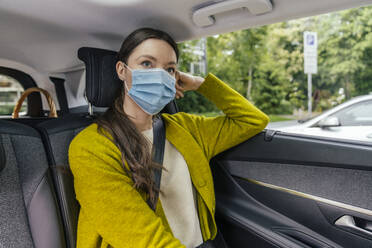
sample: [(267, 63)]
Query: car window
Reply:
[(357, 115), (267, 65), (10, 91)]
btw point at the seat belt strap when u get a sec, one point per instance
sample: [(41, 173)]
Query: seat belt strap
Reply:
[(59, 85), (158, 155)]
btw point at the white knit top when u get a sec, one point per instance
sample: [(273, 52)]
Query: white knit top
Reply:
[(177, 196)]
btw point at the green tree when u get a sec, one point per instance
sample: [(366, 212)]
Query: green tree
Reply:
[(269, 93), (193, 101), (348, 44), (249, 48)]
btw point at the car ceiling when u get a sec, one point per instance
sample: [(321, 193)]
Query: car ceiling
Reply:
[(45, 34)]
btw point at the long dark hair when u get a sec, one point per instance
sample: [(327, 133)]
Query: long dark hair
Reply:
[(133, 146)]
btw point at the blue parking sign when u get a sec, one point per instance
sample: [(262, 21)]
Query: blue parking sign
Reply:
[(310, 39)]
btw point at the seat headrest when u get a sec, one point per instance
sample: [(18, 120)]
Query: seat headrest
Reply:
[(102, 82), (2, 155)]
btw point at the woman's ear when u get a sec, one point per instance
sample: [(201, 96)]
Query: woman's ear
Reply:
[(121, 70)]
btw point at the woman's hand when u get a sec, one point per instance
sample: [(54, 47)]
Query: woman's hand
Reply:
[(185, 82)]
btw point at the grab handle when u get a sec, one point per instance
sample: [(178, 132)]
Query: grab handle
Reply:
[(205, 16), (349, 222)]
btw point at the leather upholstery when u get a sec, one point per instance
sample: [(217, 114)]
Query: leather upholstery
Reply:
[(13, 128), (57, 151), (102, 82), (2, 156), (69, 205), (44, 218)]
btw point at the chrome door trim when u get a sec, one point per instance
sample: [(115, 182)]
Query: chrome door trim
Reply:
[(311, 197)]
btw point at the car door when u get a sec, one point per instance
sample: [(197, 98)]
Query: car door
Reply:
[(288, 190)]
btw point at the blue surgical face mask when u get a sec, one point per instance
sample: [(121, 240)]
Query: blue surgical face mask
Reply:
[(152, 89)]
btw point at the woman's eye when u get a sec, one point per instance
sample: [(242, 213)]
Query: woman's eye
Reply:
[(171, 70), (146, 63)]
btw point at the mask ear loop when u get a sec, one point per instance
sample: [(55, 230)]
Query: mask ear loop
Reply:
[(125, 83)]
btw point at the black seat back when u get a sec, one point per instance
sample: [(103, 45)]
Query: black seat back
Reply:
[(57, 135), (29, 213)]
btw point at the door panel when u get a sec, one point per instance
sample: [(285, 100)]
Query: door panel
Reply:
[(285, 190), (338, 184)]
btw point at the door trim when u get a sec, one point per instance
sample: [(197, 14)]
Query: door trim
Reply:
[(311, 197)]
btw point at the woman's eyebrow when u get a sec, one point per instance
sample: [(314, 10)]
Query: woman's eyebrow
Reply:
[(147, 56), (154, 59)]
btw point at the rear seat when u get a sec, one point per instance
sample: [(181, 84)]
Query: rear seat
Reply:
[(29, 214), (29, 211), (38, 220)]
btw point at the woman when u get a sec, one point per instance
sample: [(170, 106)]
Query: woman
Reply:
[(111, 159)]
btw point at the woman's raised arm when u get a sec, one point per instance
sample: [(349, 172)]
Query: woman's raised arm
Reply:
[(241, 121)]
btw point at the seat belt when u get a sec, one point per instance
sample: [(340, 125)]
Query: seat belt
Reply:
[(59, 85), (158, 155)]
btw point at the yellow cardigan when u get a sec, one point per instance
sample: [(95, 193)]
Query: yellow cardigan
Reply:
[(114, 214)]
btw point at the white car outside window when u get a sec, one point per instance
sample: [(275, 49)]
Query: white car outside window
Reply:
[(349, 120)]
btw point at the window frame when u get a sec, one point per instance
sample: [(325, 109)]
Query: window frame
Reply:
[(34, 104)]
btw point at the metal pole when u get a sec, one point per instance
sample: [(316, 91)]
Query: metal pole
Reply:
[(205, 56), (309, 94)]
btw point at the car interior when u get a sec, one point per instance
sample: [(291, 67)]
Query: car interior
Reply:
[(274, 190)]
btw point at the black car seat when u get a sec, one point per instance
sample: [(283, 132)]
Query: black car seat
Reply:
[(102, 86), (29, 212), (57, 135)]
